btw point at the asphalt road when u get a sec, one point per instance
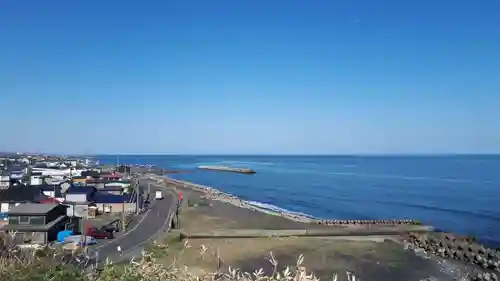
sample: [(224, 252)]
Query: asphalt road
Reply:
[(155, 220)]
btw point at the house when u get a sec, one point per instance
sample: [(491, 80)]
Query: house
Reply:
[(72, 162), (111, 203), (50, 200), (14, 196), (79, 179), (4, 179), (91, 174), (37, 223), (52, 191), (98, 183), (16, 174), (80, 210), (36, 178), (113, 176), (123, 169), (15, 182), (125, 185), (116, 190), (121, 183), (80, 194)]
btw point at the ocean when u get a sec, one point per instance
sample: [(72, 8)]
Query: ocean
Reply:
[(458, 194)]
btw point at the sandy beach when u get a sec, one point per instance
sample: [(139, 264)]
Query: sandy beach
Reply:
[(246, 209), (214, 194)]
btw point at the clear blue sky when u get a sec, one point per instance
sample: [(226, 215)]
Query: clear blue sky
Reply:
[(278, 76)]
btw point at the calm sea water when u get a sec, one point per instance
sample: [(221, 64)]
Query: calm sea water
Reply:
[(453, 193)]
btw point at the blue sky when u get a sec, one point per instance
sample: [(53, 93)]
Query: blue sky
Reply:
[(293, 77)]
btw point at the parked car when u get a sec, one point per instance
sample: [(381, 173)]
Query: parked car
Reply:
[(109, 228), (99, 233)]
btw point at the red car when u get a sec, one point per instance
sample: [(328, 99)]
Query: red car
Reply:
[(99, 233)]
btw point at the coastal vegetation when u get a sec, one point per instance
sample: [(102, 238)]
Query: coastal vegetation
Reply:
[(52, 264)]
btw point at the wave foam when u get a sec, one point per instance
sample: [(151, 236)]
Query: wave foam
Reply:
[(277, 209)]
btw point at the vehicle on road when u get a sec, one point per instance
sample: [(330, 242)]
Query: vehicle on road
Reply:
[(158, 195), (110, 228), (99, 233)]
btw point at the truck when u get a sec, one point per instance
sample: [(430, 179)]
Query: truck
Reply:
[(158, 195)]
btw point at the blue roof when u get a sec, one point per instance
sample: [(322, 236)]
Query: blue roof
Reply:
[(104, 197), (89, 190)]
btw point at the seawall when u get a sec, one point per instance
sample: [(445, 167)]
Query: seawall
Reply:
[(227, 169)]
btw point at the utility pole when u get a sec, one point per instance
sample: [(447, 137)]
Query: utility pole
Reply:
[(123, 216), (137, 191)]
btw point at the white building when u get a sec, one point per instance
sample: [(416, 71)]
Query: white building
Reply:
[(36, 178), (55, 172), (4, 180)]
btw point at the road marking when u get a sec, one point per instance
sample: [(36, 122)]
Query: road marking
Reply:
[(126, 233), (168, 221), (155, 234)]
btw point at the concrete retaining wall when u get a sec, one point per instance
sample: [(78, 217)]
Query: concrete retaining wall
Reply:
[(262, 233)]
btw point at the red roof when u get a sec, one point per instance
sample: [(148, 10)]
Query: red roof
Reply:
[(114, 175)]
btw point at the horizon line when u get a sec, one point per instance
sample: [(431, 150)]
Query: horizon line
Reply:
[(263, 154), (292, 154)]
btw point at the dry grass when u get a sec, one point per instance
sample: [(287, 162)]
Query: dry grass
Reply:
[(366, 257), (52, 264)]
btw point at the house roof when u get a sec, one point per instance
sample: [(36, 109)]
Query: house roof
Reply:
[(89, 190), (46, 187), (56, 188), (33, 209), (31, 227), (111, 188), (108, 198), (50, 200), (20, 194), (114, 175), (90, 173)]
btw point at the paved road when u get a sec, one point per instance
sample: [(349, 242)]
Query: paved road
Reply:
[(153, 222)]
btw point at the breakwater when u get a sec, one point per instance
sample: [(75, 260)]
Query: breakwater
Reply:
[(227, 169), (484, 261), (214, 194), (338, 232), (443, 191), (368, 222)]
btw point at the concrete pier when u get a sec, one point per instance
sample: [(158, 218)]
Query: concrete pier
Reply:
[(227, 169)]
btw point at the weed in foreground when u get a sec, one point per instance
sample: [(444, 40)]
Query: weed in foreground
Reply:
[(55, 265)]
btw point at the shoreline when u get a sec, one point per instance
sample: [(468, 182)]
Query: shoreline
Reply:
[(215, 194), (452, 253)]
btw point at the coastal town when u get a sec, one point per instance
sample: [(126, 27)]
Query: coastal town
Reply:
[(76, 203), (113, 212)]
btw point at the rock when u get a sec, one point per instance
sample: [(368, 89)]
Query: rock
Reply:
[(490, 255)]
